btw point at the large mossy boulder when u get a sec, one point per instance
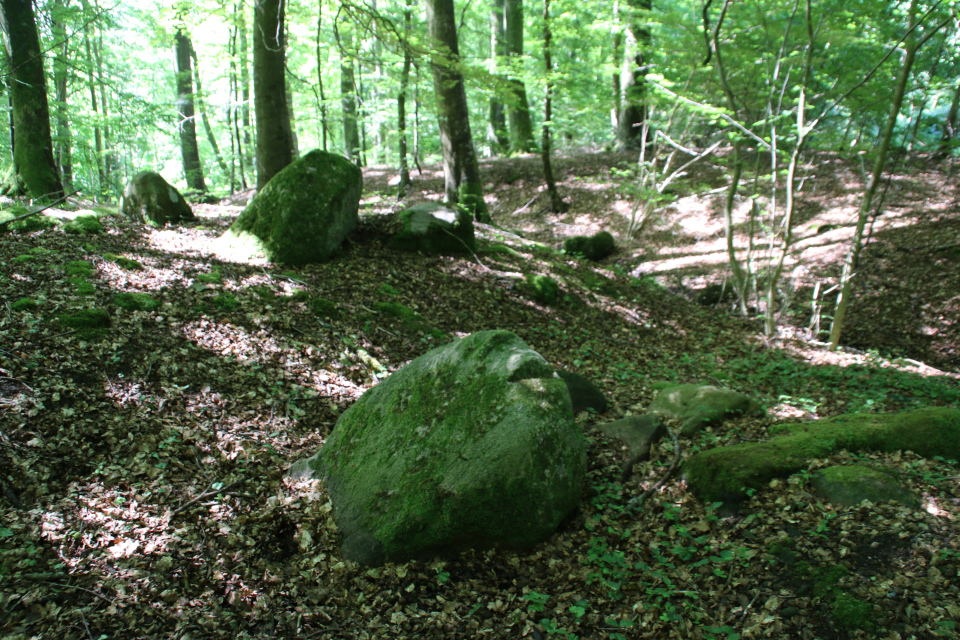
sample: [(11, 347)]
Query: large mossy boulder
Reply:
[(584, 395), (149, 198), (471, 445), (849, 485), (435, 229), (726, 474), (302, 215), (697, 406)]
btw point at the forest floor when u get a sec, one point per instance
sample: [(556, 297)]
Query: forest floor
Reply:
[(143, 463)]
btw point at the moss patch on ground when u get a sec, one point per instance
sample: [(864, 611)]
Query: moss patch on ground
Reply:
[(24, 304), (726, 474), (409, 318), (543, 289), (79, 269), (136, 302), (88, 323), (123, 263), (83, 224)]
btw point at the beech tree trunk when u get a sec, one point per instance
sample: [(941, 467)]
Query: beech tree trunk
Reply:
[(207, 127), (460, 168), (633, 108), (348, 109), (274, 137), (950, 125), (241, 14), (63, 144), (33, 160), (94, 107), (402, 103), (189, 150), (497, 136), (557, 204), (518, 108)]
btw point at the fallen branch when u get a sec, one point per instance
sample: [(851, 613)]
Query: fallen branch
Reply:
[(40, 210), (205, 494), (636, 503)]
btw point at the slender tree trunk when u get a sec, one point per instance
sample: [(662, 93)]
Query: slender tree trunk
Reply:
[(853, 255), (348, 110), (950, 125), (32, 145), (497, 136), (245, 86), (274, 137), (633, 107), (460, 167), (617, 89), (189, 150), (234, 119), (402, 103), (518, 107), (63, 146), (556, 202), (322, 106), (211, 138), (109, 154), (95, 108), (291, 113)]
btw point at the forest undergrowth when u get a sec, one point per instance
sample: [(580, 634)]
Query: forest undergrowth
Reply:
[(152, 397)]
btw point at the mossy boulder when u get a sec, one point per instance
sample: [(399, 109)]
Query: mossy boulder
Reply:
[(849, 485), (596, 247), (584, 395), (697, 406), (302, 215), (435, 229), (150, 198), (471, 445), (87, 224), (726, 474)]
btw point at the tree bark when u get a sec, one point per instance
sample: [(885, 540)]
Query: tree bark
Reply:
[(348, 110), (633, 108), (247, 128), (189, 150), (33, 147), (497, 136), (557, 204), (321, 98), (95, 108), (402, 103), (274, 137), (460, 168), (950, 125), (207, 127), (63, 145), (853, 255), (518, 107)]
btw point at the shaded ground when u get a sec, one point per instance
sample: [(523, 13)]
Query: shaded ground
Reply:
[(148, 460)]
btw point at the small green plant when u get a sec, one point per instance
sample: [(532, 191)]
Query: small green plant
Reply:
[(136, 302), (24, 304), (388, 290), (213, 277)]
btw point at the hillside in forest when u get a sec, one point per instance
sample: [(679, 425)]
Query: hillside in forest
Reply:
[(145, 438)]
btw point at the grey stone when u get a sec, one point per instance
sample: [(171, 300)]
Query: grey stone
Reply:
[(852, 484), (472, 445), (584, 394), (697, 406), (301, 216), (435, 229), (149, 198)]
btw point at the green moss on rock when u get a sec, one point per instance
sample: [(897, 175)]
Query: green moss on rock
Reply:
[(83, 225), (150, 198), (725, 474), (302, 215), (471, 445), (435, 229), (596, 247)]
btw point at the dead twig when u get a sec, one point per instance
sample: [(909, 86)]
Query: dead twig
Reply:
[(73, 586), (205, 494), (636, 503)]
